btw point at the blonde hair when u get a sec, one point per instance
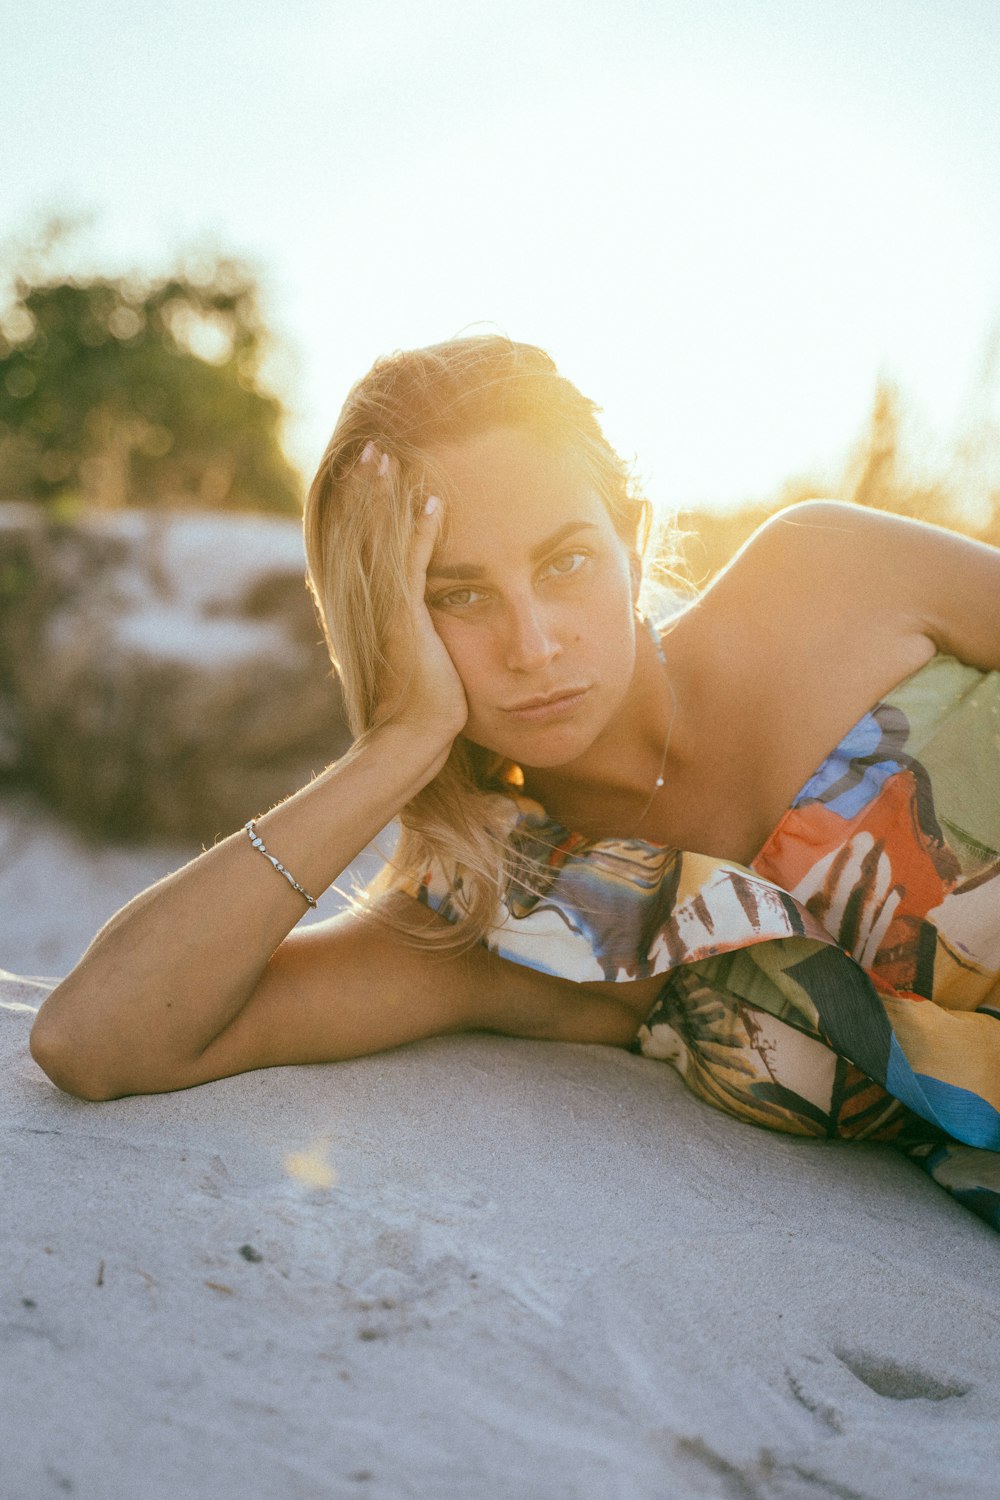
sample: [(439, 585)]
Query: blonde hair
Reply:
[(372, 479)]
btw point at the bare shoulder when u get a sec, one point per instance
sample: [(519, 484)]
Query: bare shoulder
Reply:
[(807, 576), (791, 551), (867, 540), (899, 580), (801, 630), (833, 532)]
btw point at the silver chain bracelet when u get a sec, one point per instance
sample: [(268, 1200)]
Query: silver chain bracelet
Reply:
[(258, 843)]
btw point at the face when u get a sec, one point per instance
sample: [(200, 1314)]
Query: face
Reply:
[(531, 590)]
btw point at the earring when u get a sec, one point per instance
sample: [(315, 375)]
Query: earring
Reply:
[(635, 572)]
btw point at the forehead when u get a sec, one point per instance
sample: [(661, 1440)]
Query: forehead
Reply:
[(506, 488)]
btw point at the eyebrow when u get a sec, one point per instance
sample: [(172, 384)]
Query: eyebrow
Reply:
[(476, 570)]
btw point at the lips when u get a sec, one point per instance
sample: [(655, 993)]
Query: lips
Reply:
[(548, 705)]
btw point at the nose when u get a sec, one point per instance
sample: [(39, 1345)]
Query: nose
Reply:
[(531, 640)]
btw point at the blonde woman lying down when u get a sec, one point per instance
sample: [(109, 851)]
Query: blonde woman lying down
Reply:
[(760, 839)]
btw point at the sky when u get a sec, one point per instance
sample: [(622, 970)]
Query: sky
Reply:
[(726, 222)]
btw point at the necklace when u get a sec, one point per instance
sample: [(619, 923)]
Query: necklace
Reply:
[(654, 636)]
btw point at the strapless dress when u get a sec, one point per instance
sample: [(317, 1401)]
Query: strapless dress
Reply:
[(844, 984)]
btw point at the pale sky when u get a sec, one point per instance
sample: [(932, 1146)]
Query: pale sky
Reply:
[(723, 220)]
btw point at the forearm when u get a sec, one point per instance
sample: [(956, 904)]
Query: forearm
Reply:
[(174, 967)]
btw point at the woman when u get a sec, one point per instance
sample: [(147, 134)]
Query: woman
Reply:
[(824, 956)]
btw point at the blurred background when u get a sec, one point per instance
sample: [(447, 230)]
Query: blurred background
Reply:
[(765, 236)]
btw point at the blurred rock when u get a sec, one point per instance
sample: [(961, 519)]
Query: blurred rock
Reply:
[(161, 674)]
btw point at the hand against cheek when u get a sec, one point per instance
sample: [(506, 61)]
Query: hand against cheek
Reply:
[(424, 691)]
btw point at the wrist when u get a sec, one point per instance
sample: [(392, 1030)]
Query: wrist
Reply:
[(416, 753)]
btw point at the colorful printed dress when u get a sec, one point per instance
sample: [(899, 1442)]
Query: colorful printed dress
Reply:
[(847, 982)]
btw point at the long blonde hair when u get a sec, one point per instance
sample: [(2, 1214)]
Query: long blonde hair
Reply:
[(358, 527)]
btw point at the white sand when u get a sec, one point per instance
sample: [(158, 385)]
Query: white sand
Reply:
[(543, 1272)]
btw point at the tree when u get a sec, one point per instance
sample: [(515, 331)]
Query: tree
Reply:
[(138, 391)]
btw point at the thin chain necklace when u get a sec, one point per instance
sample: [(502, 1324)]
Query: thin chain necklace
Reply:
[(654, 636)]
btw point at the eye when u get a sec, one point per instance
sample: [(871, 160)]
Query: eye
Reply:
[(567, 563), (457, 599)]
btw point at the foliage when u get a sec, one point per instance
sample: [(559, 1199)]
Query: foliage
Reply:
[(878, 473), (138, 391)]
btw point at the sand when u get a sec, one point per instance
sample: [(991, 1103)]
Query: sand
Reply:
[(474, 1267)]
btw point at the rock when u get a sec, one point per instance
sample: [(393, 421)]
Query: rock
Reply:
[(161, 674)]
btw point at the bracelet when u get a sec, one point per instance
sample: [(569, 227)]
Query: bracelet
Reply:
[(258, 843)]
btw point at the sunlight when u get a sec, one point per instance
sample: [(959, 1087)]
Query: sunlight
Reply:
[(729, 289), (724, 222), (312, 1167)]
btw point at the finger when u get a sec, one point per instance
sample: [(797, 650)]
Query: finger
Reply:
[(426, 532)]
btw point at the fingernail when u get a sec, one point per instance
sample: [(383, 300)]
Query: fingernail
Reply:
[(431, 505)]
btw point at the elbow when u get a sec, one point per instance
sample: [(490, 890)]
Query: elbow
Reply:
[(62, 1062)]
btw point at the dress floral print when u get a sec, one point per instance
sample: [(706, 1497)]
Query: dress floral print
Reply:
[(846, 983)]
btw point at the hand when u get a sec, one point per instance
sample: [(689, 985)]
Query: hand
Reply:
[(423, 690)]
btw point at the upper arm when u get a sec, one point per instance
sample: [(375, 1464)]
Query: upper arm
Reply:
[(891, 573)]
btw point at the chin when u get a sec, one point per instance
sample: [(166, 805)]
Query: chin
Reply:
[(541, 752)]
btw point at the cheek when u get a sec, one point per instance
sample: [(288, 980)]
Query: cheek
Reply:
[(611, 630), (615, 606), (468, 650)]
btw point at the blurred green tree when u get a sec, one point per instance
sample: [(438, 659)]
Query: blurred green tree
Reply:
[(123, 390)]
